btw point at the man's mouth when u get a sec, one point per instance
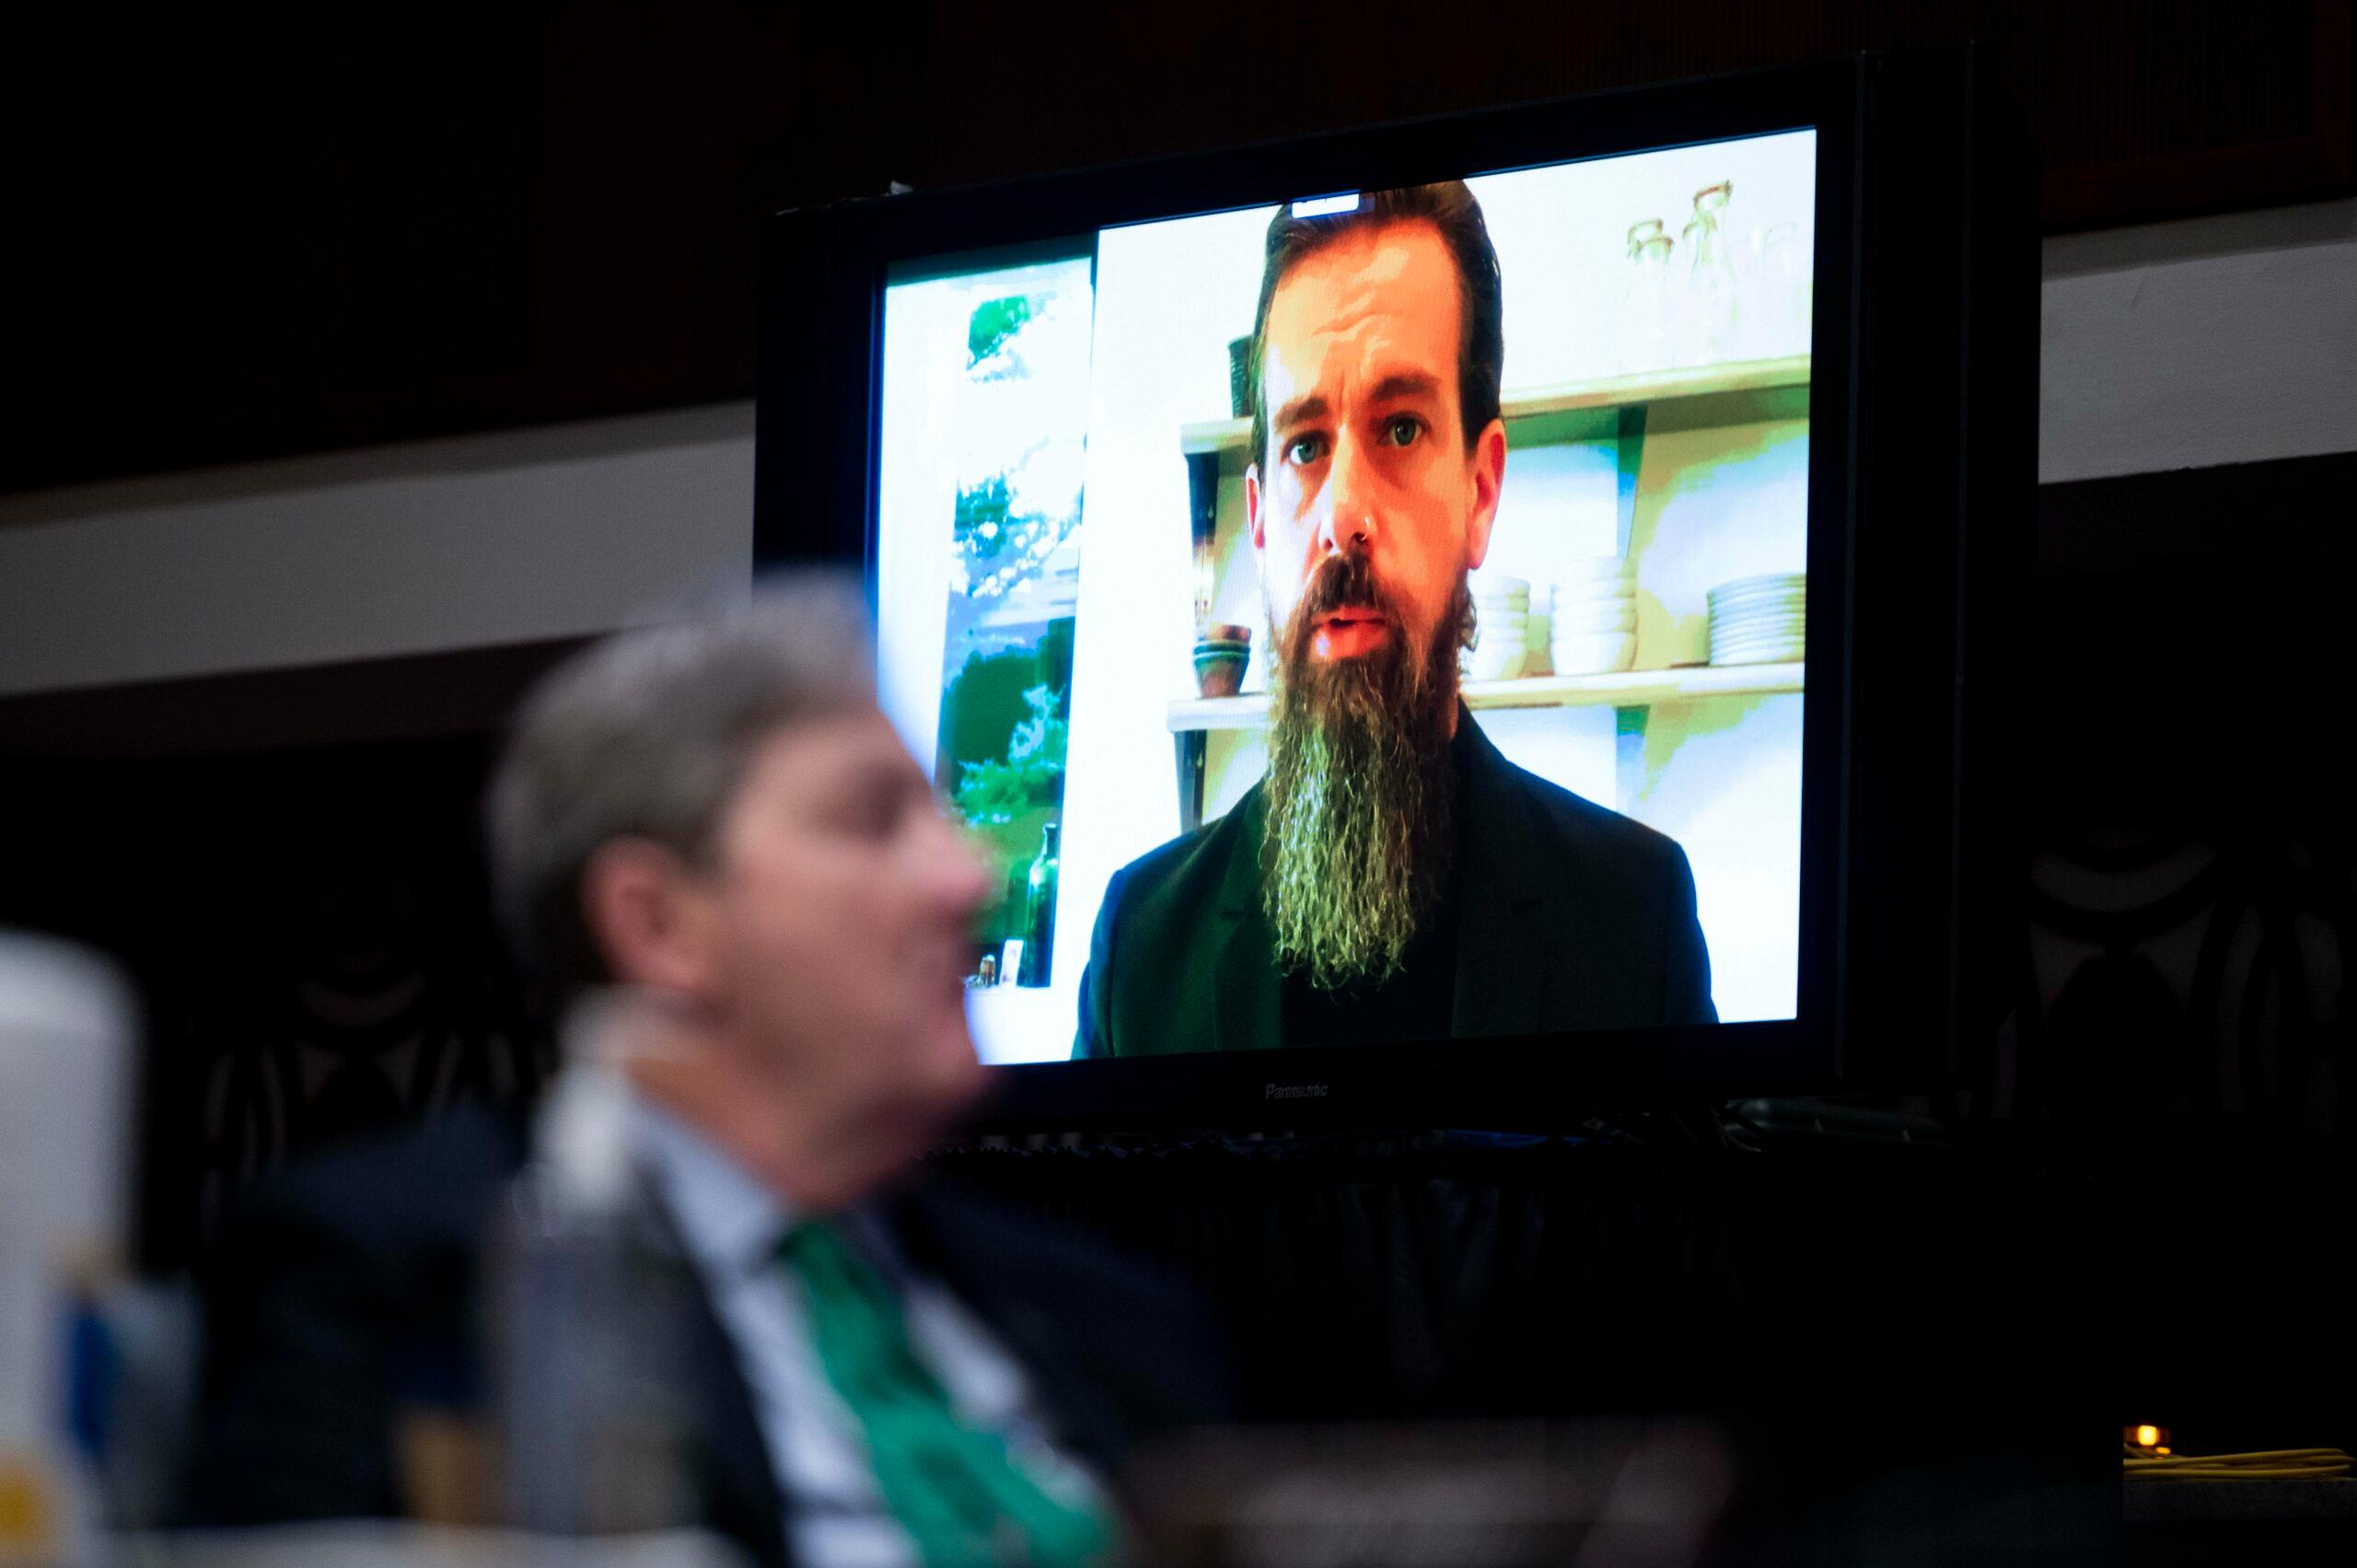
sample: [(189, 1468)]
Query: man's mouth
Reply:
[(1352, 616), (1346, 634)]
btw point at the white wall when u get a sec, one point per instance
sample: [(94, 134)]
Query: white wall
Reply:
[(2186, 344), (430, 545), (2223, 339)]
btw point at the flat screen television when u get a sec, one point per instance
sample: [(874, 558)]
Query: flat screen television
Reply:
[(1454, 620)]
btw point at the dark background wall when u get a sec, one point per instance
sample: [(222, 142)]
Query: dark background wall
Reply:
[(279, 228)]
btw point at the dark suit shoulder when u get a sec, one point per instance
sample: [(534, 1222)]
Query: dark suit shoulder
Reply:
[(340, 1290), (1577, 821), (1632, 922), (1149, 966), (390, 1191), (1127, 1346), (1192, 864)]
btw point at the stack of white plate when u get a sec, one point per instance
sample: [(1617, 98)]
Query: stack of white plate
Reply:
[(1501, 620), (1593, 619), (1760, 619)]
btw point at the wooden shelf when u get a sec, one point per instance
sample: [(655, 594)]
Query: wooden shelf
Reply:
[(1628, 689), (1539, 403)]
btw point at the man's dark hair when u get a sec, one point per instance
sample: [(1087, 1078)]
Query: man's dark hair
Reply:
[(1448, 207)]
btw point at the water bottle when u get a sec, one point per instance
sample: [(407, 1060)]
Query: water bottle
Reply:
[(590, 1309)]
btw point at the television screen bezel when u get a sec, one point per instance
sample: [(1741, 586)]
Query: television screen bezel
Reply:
[(816, 456)]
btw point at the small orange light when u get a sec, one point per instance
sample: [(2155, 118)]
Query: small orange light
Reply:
[(2146, 1436), (2162, 1449)]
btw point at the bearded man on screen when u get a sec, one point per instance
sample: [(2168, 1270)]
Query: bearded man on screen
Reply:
[(1393, 878)]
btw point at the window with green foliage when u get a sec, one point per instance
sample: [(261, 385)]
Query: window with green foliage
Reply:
[(994, 321), (992, 793)]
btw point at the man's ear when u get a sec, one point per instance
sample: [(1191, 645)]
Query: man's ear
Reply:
[(1489, 477), (650, 920), (1252, 504)]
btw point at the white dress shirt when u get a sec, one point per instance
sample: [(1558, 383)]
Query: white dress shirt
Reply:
[(733, 1226)]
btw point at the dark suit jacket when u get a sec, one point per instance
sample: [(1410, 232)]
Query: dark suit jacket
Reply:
[(348, 1289), (1570, 917)]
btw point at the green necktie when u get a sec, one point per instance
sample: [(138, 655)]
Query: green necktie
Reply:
[(954, 1490)]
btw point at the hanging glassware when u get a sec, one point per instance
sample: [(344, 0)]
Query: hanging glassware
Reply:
[(1646, 299), (1710, 318), (1776, 294)]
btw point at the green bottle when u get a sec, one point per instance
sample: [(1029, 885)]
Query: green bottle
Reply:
[(1039, 914)]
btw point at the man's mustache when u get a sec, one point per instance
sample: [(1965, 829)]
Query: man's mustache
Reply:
[(1343, 582)]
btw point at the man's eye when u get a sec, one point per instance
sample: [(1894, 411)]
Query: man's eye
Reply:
[(1402, 429), (1305, 449), (874, 812)]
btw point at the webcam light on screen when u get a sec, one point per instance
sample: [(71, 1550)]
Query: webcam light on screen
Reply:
[(1321, 206)]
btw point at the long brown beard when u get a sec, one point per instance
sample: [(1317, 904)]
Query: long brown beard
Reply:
[(1360, 791)]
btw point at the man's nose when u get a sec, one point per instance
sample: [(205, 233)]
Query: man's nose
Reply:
[(1349, 521)]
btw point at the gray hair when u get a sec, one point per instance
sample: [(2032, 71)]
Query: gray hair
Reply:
[(648, 735)]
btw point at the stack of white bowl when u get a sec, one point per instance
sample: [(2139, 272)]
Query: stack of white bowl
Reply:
[(1594, 629), (1760, 619), (1501, 620)]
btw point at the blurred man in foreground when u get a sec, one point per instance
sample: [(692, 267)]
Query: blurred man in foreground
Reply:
[(709, 838)]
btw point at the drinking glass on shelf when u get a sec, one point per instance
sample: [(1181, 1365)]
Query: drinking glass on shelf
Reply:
[(1645, 302), (1776, 294), (1709, 316)]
